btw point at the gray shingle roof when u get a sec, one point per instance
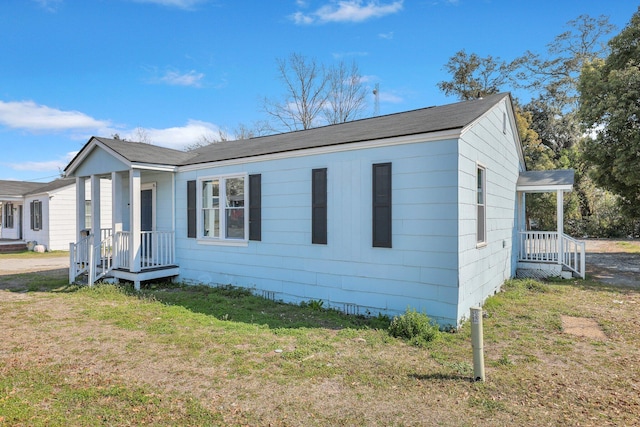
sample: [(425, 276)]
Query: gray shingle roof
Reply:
[(17, 188), (52, 186), (426, 120), (24, 188), (561, 177), (139, 152)]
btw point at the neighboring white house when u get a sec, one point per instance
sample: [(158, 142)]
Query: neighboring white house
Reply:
[(43, 213), (421, 209)]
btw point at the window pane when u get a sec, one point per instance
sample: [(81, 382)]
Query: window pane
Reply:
[(211, 223), (481, 221), (210, 194), (234, 201), (480, 186), (235, 223), (235, 192)]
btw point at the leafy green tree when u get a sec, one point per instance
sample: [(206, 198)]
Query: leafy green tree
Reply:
[(474, 77), (610, 109)]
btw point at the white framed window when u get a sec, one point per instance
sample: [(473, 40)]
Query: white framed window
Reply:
[(481, 196), (222, 206), (8, 215), (36, 215)]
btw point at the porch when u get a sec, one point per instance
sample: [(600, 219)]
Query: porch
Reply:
[(113, 257), (133, 211), (543, 254)]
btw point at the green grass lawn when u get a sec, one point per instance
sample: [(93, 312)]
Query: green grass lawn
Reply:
[(174, 355)]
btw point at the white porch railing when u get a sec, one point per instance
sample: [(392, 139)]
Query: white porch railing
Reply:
[(573, 255), (157, 250), (544, 246), (79, 257)]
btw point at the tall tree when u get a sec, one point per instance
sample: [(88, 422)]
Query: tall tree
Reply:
[(610, 109), (554, 77), (474, 77), (556, 74), (305, 85), (315, 95), (346, 97)]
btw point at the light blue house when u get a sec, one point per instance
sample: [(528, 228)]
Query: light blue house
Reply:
[(421, 209)]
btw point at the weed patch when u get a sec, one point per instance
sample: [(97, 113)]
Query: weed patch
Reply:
[(417, 328)]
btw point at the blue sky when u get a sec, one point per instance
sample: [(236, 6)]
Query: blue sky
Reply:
[(181, 69)]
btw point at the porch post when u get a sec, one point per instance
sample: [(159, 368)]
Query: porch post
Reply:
[(560, 219), (116, 202), (80, 206), (135, 221), (95, 209), (116, 216)]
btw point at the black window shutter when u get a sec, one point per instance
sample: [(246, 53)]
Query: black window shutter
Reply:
[(32, 215), (382, 205), (191, 209), (255, 207), (319, 206)]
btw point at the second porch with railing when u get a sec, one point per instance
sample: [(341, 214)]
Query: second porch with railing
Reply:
[(544, 254), (119, 255), (549, 253)]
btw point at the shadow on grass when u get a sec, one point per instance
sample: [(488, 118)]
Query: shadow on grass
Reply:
[(56, 280), (223, 302), (439, 376), (242, 305)]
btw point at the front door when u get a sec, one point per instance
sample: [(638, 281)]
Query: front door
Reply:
[(146, 221)]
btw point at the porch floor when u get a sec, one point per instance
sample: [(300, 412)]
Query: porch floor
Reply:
[(145, 275)]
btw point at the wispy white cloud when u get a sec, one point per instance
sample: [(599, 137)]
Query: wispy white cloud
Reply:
[(177, 137), (49, 5), (32, 117), (386, 36), (347, 11), (175, 78), (180, 4), (45, 166)]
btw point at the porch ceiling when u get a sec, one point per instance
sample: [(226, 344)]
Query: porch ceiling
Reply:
[(546, 181)]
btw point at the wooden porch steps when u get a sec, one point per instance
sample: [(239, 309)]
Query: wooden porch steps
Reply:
[(9, 248)]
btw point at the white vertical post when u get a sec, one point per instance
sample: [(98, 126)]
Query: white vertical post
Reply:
[(96, 221), (135, 221), (477, 343), (116, 215), (80, 206), (560, 219)]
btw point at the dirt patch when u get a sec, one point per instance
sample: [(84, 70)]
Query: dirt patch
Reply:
[(614, 262), (582, 327), (9, 265), (12, 270)]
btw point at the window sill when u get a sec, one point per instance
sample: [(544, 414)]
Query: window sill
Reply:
[(221, 242), (481, 245)]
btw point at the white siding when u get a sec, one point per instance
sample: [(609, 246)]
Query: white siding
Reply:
[(59, 216), (484, 269), (420, 270), (61, 219)]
